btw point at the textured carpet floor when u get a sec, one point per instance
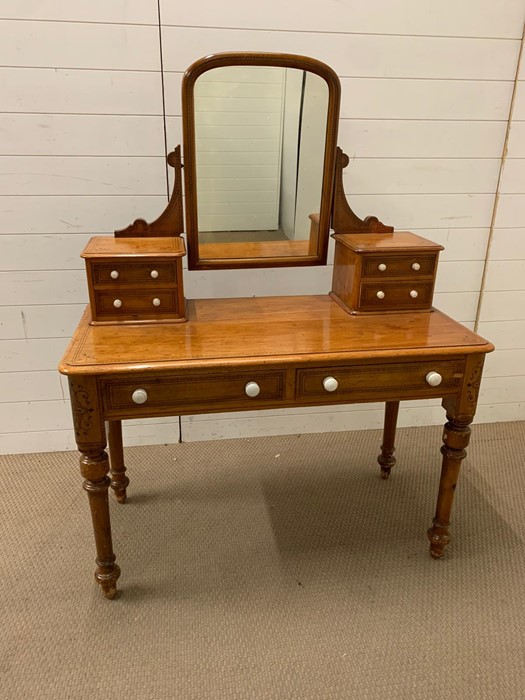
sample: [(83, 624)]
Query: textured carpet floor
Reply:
[(278, 567)]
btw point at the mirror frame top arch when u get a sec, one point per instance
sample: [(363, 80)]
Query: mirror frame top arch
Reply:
[(281, 60)]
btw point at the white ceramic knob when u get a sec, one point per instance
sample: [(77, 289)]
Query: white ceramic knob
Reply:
[(416, 266), (381, 267), (117, 303), (252, 389), (154, 274), (113, 274), (380, 295), (414, 294), (434, 378), (156, 302), (330, 383), (140, 396)]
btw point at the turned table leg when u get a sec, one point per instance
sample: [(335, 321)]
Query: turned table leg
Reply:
[(119, 480), (456, 437), (90, 436), (94, 467), (386, 459)]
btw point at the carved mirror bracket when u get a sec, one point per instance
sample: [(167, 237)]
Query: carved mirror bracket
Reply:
[(344, 220), (171, 221)]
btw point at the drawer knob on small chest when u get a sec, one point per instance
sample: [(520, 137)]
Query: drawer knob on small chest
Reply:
[(156, 302), (113, 274), (154, 274), (117, 303), (380, 295), (330, 383), (434, 378), (414, 294), (416, 266), (252, 389), (140, 396), (381, 267)]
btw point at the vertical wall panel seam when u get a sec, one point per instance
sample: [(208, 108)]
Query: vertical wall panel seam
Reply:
[(164, 125), (498, 185)]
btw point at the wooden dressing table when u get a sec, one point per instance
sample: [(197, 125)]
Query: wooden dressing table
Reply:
[(218, 355)]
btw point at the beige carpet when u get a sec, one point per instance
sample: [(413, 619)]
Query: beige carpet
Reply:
[(278, 567)]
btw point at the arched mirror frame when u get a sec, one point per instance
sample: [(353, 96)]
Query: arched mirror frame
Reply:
[(280, 60)]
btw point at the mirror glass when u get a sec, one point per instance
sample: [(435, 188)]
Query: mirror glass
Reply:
[(260, 134)]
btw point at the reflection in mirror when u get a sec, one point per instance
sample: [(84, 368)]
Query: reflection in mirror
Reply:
[(259, 152)]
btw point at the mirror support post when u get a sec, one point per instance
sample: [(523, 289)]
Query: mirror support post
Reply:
[(313, 244)]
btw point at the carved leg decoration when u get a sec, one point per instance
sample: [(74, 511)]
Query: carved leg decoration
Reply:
[(386, 459), (119, 480), (456, 438), (94, 467)]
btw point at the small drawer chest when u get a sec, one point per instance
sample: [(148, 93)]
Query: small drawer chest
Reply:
[(135, 279), (382, 272)]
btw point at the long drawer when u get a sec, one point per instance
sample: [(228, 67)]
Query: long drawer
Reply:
[(370, 382), (202, 391)]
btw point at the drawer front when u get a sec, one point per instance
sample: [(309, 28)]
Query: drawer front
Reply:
[(134, 273), (186, 394), (409, 266), (396, 380), (377, 296), (120, 305)]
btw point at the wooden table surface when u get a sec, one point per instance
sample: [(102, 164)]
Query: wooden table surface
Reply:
[(262, 330)]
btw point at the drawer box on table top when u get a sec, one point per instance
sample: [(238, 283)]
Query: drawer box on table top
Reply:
[(369, 267), (111, 276), (135, 279), (155, 304), (411, 265), (393, 296)]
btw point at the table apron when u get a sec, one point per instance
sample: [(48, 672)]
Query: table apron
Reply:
[(220, 390)]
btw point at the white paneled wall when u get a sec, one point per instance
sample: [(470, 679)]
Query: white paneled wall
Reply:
[(81, 152), (87, 99), (425, 105), (502, 306)]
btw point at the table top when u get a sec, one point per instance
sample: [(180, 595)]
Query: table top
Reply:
[(402, 241), (100, 247), (263, 330)]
